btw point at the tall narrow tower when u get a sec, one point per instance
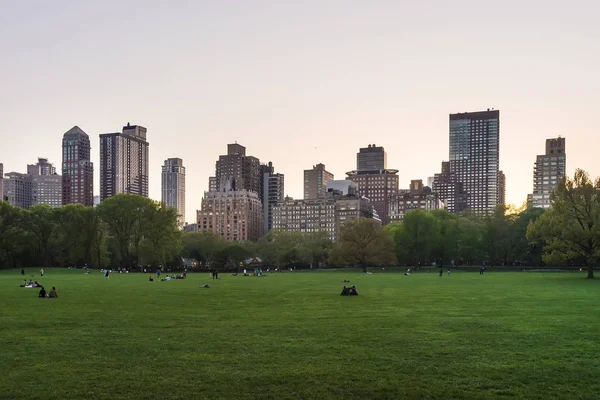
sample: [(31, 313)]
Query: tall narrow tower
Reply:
[(77, 169), (124, 162), (173, 186), (548, 171), (474, 157)]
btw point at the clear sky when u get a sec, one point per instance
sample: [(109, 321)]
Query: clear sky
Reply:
[(300, 82)]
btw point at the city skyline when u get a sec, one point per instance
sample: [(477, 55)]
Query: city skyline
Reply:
[(340, 89)]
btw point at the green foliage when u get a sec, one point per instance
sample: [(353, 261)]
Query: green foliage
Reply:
[(571, 229), (135, 229), (363, 243)]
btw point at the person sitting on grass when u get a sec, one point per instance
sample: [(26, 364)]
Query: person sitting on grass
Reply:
[(345, 291), (42, 292), (53, 294), (150, 279), (353, 291), (207, 286)]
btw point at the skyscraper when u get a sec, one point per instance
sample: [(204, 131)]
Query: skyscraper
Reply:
[(17, 189), (548, 171), (379, 186), (233, 207), (173, 186), (273, 191), (77, 169), (501, 188), (371, 158), (449, 189), (237, 169), (233, 215), (474, 157), (315, 181), (46, 185), (124, 162)]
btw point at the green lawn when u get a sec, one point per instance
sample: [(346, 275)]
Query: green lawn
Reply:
[(290, 335)]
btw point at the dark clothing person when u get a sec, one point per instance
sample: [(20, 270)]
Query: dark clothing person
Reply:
[(441, 271), (23, 272), (353, 291), (42, 293), (53, 293), (481, 270), (345, 291)]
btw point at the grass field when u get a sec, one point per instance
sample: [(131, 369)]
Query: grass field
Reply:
[(290, 335)]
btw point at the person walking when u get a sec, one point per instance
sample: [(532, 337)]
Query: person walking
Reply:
[(441, 271), (42, 272)]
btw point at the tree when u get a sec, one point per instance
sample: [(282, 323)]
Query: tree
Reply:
[(571, 228), (41, 221), (416, 237), (124, 215), (365, 243), (162, 237), (204, 247), (11, 233), (315, 248)]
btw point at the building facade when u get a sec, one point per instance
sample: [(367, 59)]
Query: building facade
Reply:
[(77, 168), (327, 213), (233, 215), (343, 186), (379, 186), (272, 192), (371, 158), (548, 171), (315, 181), (450, 190), (124, 162), (237, 170), (173, 186), (501, 188), (17, 189), (418, 197), (474, 157), (46, 185)]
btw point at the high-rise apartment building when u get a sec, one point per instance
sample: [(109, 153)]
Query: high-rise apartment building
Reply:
[(46, 185), (418, 197), (273, 191), (40, 185), (501, 188), (17, 189), (315, 181), (124, 162), (474, 157), (371, 158), (327, 213), (77, 169), (549, 170), (212, 184), (173, 186), (344, 186), (379, 186), (238, 170), (233, 215), (449, 189)]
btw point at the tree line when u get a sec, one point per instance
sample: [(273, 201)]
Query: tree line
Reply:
[(133, 232)]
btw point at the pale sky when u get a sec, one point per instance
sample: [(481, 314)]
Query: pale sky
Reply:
[(300, 82)]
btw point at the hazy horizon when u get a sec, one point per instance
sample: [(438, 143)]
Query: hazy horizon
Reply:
[(300, 84)]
